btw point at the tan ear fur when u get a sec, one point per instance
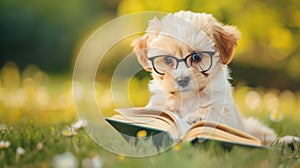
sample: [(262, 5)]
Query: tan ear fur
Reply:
[(226, 40), (140, 49)]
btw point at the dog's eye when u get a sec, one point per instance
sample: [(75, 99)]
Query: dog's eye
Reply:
[(168, 60), (196, 57)]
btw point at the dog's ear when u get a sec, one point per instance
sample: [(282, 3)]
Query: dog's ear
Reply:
[(140, 46), (226, 40)]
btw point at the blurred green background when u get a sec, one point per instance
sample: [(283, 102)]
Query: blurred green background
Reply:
[(49, 33), (40, 41)]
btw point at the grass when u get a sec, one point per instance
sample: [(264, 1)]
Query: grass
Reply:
[(35, 110), (28, 136)]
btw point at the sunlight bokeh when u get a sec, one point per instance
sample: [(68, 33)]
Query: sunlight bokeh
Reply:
[(40, 42), (31, 95), (46, 99)]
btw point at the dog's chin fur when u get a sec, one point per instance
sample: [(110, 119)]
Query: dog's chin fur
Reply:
[(207, 96)]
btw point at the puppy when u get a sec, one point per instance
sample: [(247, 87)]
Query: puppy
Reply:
[(188, 54)]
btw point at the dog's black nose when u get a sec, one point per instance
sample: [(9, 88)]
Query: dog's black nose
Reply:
[(182, 81)]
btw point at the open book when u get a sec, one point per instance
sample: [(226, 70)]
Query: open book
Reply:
[(155, 122)]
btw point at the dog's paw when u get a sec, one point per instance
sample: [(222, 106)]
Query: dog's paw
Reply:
[(192, 118), (288, 141)]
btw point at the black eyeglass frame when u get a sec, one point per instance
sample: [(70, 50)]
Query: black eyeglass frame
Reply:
[(210, 53)]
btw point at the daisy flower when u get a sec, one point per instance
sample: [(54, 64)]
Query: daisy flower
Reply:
[(65, 160), (69, 132), (20, 151), (4, 144), (79, 124), (39, 146), (276, 116), (2, 126)]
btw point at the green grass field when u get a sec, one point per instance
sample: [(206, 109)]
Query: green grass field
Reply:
[(36, 109), (43, 144)]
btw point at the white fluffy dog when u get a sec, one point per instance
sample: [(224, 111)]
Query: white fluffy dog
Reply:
[(188, 54)]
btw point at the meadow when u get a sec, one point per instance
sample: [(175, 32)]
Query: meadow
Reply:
[(38, 119), (39, 126)]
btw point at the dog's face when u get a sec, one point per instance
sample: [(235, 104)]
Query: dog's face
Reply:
[(184, 50)]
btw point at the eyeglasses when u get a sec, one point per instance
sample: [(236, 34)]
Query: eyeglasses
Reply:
[(199, 60)]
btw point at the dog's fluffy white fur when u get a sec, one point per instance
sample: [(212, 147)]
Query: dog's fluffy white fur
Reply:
[(207, 96)]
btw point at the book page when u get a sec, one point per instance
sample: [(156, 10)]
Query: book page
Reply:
[(224, 128), (154, 118), (144, 113), (210, 130), (177, 128), (155, 124)]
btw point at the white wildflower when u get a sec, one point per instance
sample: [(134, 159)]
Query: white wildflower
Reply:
[(79, 124), (65, 160), (20, 151), (4, 144), (94, 162), (2, 126), (276, 116), (40, 146), (69, 132)]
